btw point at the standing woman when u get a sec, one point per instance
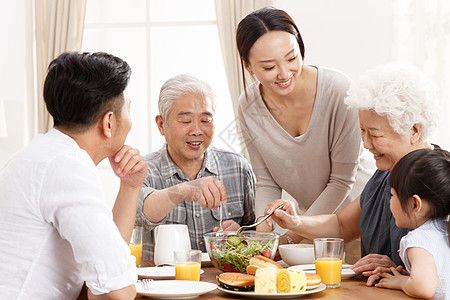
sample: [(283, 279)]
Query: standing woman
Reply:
[(300, 135)]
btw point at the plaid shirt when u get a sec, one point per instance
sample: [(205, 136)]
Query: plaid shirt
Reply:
[(230, 168)]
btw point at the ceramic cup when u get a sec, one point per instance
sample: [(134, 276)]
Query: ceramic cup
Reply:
[(170, 238)]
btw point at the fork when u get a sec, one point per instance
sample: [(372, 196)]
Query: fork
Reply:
[(147, 284), (220, 230), (242, 228)]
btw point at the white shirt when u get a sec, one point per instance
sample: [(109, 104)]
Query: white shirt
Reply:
[(55, 229), (433, 237)]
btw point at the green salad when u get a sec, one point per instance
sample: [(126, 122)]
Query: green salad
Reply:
[(233, 253)]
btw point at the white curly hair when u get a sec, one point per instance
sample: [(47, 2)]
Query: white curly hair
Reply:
[(399, 92)]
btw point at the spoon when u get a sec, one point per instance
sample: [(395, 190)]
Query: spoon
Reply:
[(242, 228), (220, 230)]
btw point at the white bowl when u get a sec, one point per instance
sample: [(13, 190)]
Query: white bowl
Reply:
[(297, 254)]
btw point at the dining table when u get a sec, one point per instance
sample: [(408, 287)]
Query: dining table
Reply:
[(350, 289)]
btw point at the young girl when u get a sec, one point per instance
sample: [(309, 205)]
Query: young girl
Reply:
[(420, 188)]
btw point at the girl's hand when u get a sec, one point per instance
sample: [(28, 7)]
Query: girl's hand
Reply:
[(375, 277), (392, 279)]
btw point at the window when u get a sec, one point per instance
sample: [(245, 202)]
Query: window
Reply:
[(160, 39)]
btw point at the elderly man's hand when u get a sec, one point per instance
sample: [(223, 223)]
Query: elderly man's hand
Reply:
[(207, 191), (370, 262)]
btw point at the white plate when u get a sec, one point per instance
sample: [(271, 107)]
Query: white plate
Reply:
[(346, 272), (283, 264), (158, 272), (311, 287), (176, 289), (320, 288)]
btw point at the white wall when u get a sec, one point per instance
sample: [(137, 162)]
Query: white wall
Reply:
[(349, 35)]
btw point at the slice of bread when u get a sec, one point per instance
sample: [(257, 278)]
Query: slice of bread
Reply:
[(236, 281), (251, 269), (312, 279), (264, 262)]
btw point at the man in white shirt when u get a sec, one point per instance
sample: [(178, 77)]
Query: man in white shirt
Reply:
[(56, 231)]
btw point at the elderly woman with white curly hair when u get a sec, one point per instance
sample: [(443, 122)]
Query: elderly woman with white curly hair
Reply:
[(398, 111)]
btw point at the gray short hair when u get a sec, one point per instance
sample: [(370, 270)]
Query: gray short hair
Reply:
[(399, 92), (180, 85)]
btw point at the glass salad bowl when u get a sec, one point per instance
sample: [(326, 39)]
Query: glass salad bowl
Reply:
[(231, 253)]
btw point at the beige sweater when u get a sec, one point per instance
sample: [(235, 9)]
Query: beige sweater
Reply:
[(318, 168)]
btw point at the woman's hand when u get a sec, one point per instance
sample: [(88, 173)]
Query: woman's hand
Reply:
[(286, 217), (370, 262), (266, 226)]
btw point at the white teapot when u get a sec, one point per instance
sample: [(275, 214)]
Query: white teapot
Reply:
[(168, 238)]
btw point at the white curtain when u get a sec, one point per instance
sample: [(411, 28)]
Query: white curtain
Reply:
[(59, 28), (229, 13), (422, 37), (3, 131)]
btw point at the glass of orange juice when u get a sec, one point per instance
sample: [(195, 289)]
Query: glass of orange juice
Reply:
[(328, 254), (136, 244), (187, 264)]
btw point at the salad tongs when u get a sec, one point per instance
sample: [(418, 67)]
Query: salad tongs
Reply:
[(242, 228)]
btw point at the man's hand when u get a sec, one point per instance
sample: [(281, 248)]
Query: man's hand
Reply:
[(228, 225), (370, 262), (207, 191), (129, 166)]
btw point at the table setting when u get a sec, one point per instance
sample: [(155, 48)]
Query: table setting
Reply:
[(227, 252), (352, 288)]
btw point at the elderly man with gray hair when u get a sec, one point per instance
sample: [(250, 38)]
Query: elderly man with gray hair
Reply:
[(187, 179)]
